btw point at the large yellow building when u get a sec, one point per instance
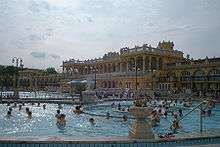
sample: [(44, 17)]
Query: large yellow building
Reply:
[(145, 67)]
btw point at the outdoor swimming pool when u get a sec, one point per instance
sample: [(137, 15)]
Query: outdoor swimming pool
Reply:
[(43, 122)]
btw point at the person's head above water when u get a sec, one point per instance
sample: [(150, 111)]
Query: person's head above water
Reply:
[(92, 120), (58, 111), (27, 109), (62, 116), (29, 113), (10, 108), (9, 113)]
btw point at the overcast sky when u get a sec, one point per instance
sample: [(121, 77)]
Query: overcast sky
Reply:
[(46, 32)]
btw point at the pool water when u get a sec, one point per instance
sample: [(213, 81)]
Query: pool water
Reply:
[(43, 122)]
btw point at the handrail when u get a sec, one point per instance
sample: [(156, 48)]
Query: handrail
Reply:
[(191, 111), (180, 119)]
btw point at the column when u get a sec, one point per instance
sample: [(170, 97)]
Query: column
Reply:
[(127, 65), (106, 68), (135, 63), (149, 63), (121, 66), (144, 59), (157, 63)]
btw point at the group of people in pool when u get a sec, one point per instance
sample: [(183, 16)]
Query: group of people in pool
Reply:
[(27, 110)]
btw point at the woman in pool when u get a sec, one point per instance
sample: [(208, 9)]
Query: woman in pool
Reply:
[(155, 119), (176, 124), (77, 110)]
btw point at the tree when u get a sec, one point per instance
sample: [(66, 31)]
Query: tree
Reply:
[(7, 74), (50, 70)]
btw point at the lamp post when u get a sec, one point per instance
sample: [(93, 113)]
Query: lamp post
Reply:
[(95, 70), (136, 72), (18, 61)]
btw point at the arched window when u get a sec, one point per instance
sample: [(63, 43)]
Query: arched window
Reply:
[(199, 75), (185, 76), (214, 75)]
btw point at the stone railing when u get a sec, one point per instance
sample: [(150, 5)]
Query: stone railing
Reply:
[(153, 51)]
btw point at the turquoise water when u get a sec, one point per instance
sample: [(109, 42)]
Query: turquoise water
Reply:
[(43, 122)]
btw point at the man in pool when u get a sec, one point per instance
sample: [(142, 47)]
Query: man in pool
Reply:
[(125, 118), (20, 106), (8, 114), (27, 109), (29, 114), (92, 121), (60, 106), (10, 109), (44, 106), (61, 120), (107, 115)]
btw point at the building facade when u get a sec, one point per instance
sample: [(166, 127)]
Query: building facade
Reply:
[(37, 80), (145, 67)]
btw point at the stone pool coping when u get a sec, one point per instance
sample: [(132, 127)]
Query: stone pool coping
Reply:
[(104, 140)]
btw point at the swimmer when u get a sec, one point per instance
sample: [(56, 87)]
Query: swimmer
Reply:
[(8, 104), (60, 106), (58, 114), (61, 121), (119, 106), (20, 106), (27, 109), (8, 114), (44, 106), (165, 114), (209, 112), (32, 104), (180, 112), (125, 118), (23, 104), (175, 124), (92, 121), (107, 115), (15, 104), (29, 114), (203, 112), (77, 110), (10, 109), (113, 104), (38, 104)]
